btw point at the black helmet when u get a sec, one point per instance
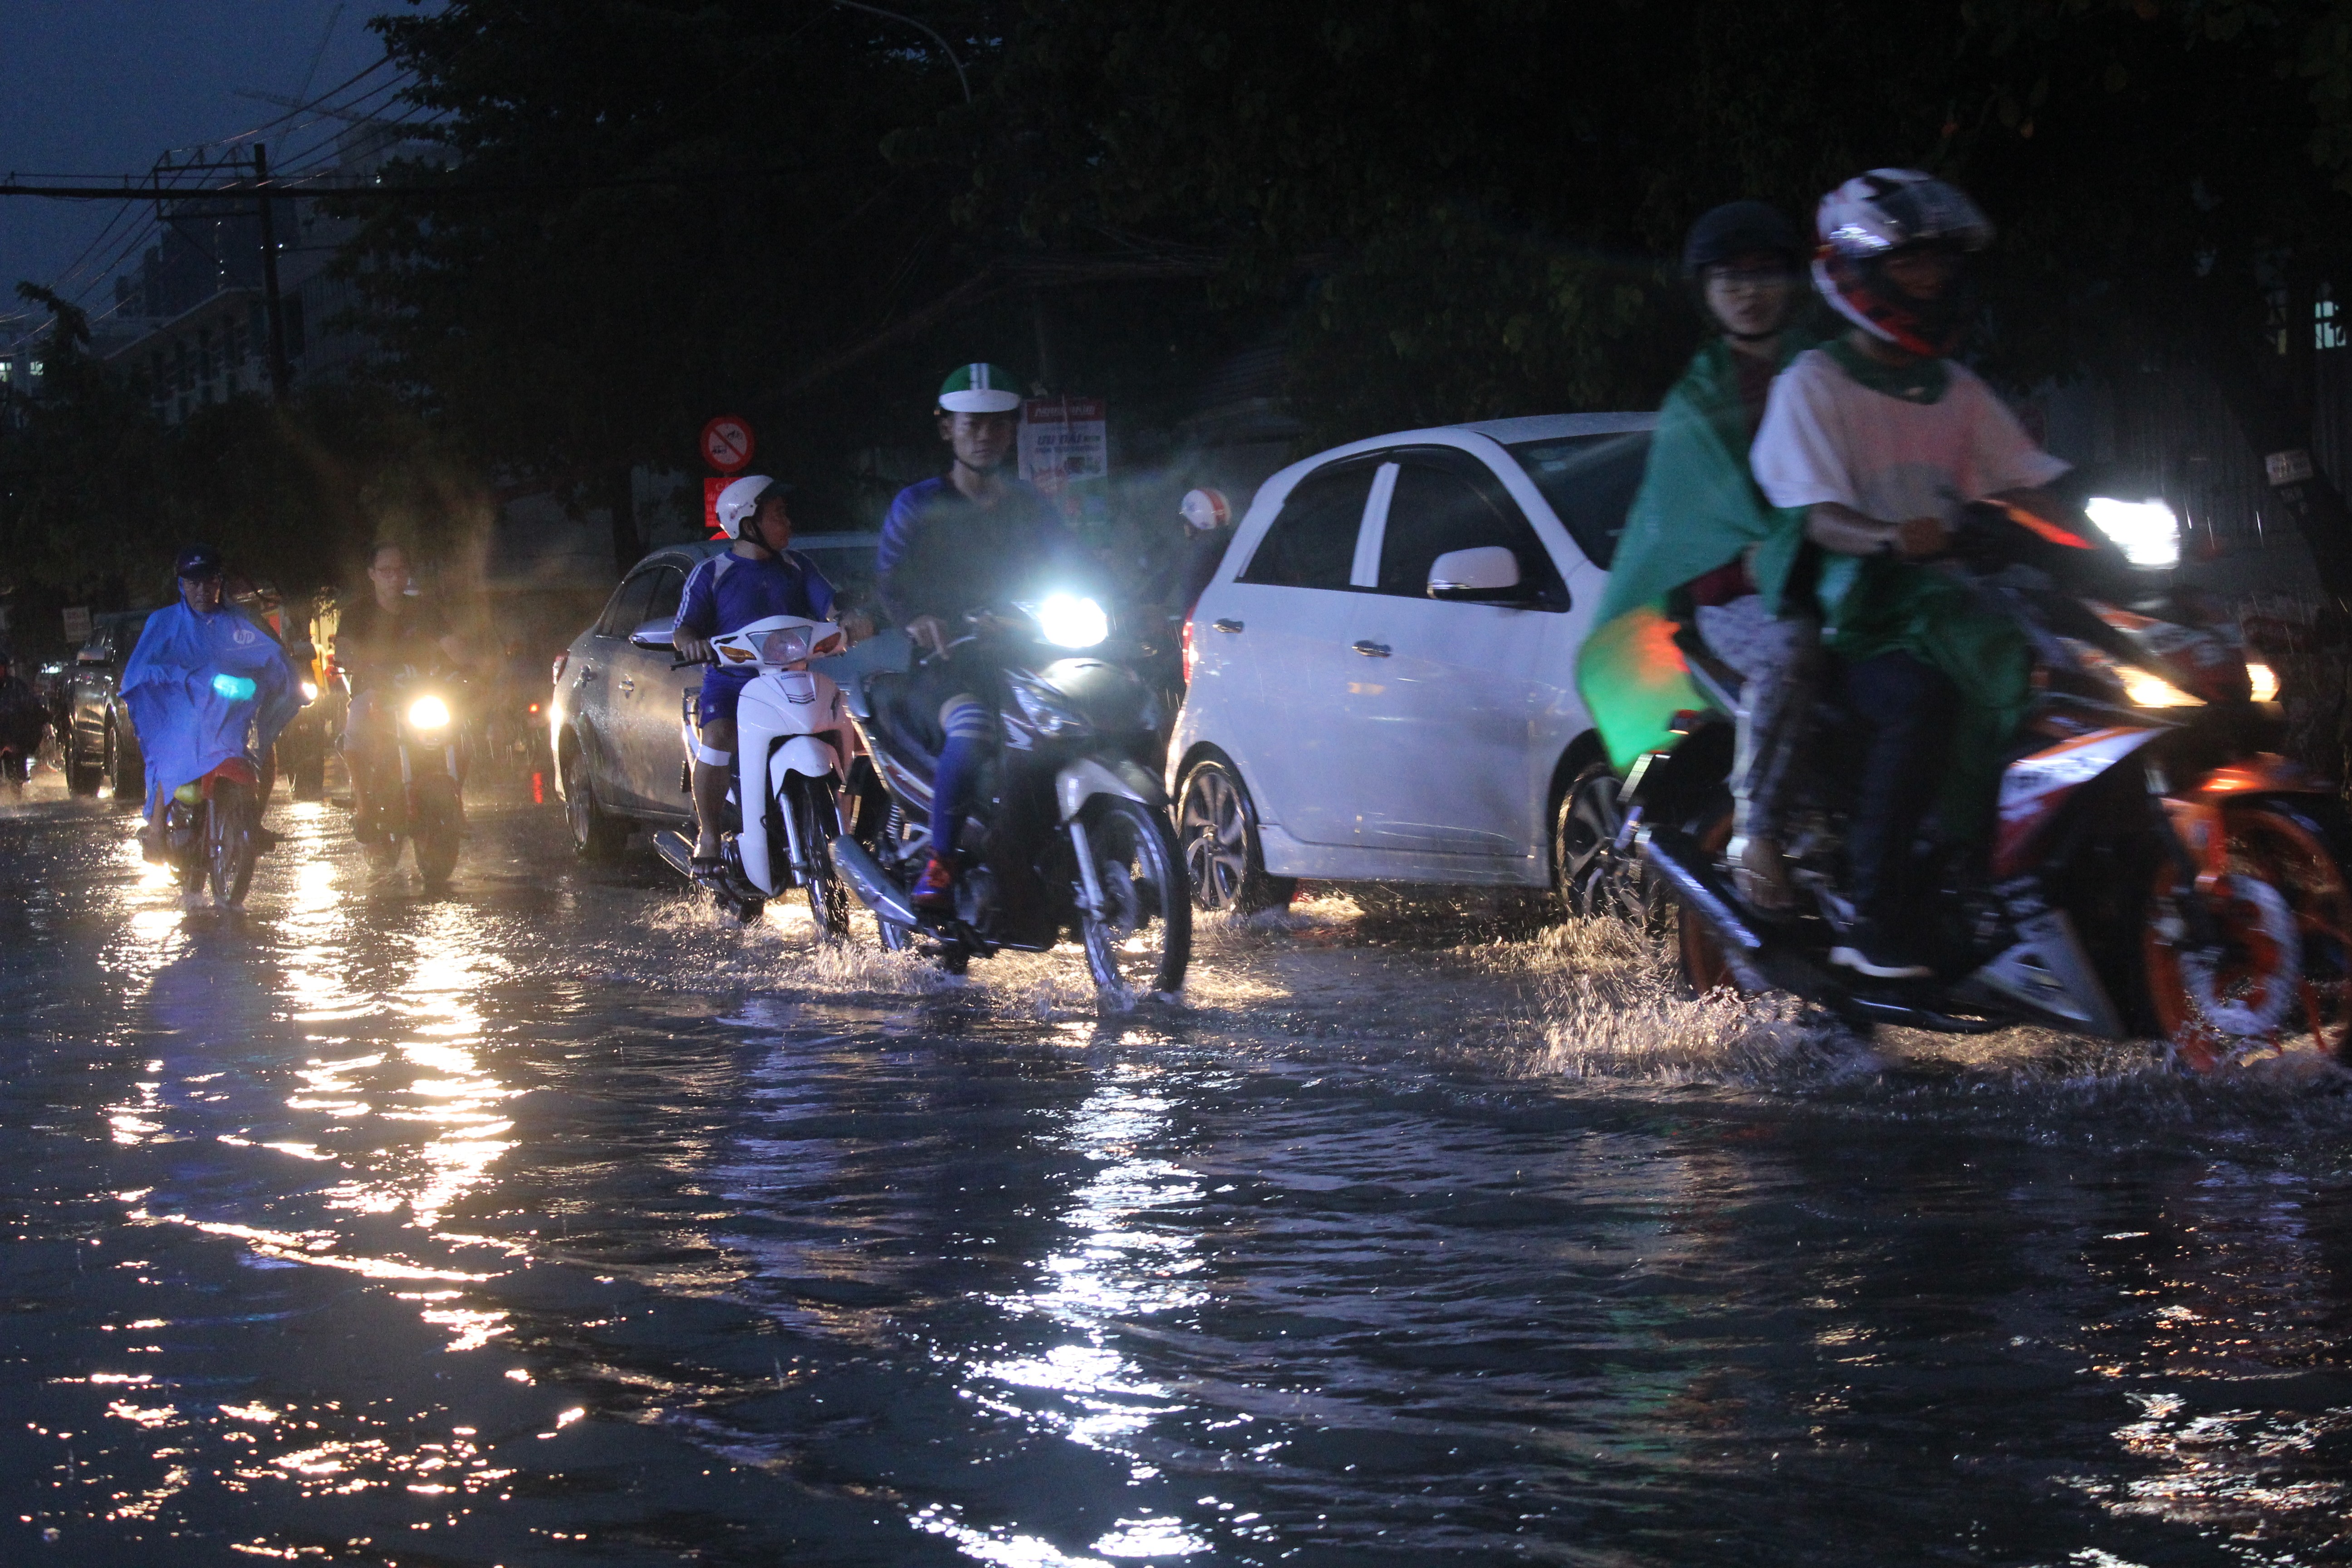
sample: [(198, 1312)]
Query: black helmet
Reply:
[(198, 561), (1741, 228)]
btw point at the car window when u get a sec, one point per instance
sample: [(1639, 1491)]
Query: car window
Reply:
[(1312, 544), (627, 611), (669, 584), (1447, 501), (849, 568), (1589, 482)]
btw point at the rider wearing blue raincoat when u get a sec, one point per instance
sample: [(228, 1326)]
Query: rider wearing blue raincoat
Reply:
[(205, 684)]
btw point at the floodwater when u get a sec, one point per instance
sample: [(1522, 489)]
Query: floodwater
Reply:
[(556, 1222)]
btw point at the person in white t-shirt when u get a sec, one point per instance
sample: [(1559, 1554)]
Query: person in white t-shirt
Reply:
[(1882, 440)]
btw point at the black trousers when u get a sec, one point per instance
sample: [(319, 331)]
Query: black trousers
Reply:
[(1906, 710)]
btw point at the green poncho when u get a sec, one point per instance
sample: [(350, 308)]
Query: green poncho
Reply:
[(1698, 506)]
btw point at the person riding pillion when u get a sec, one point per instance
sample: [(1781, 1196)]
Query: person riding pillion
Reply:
[(205, 684), (1881, 438), (1702, 542), (973, 536), (759, 575)]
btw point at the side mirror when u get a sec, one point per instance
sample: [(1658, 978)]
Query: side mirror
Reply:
[(655, 634), (1490, 573), (90, 656)]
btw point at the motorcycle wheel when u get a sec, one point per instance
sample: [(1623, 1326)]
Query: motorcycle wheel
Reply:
[(228, 842), (1141, 940), (1699, 953), (813, 822), (1223, 860), (436, 826), (2284, 973)]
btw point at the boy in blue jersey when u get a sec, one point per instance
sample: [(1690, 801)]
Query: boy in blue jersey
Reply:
[(759, 576)]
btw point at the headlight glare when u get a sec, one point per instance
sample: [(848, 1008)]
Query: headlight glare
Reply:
[(309, 692), (2147, 532), (428, 713), (2145, 691), (1066, 620)]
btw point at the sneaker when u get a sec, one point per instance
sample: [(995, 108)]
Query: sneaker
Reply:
[(1868, 950), (935, 888)]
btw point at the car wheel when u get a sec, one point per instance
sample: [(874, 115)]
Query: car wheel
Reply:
[(1216, 828), (125, 779), (1594, 877), (81, 777), (596, 838)]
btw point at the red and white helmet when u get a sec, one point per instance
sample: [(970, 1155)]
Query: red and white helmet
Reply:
[(1869, 217)]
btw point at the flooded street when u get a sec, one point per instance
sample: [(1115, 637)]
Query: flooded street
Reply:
[(557, 1222)]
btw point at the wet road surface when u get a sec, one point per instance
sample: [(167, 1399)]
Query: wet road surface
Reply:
[(556, 1222)]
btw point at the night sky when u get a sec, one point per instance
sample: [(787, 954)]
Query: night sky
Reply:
[(102, 87)]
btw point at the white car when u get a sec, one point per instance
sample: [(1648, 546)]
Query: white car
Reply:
[(1383, 673)]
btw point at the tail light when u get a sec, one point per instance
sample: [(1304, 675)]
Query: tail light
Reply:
[(1189, 654), (561, 661)]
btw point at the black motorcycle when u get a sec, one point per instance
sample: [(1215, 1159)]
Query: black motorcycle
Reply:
[(1072, 836)]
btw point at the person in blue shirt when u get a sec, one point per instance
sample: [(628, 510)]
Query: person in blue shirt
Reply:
[(760, 575), (976, 536)]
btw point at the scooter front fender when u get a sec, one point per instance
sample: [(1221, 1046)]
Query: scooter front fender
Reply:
[(1088, 777)]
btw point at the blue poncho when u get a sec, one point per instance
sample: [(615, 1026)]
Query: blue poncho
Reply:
[(188, 724)]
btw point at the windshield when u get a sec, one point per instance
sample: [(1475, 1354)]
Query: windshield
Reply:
[(1589, 482)]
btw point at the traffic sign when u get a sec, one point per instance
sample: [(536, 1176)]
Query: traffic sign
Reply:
[(727, 443)]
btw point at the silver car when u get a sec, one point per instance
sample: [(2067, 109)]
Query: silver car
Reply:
[(621, 710)]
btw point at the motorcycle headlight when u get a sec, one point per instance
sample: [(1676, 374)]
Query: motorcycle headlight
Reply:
[(2145, 691), (309, 692), (2147, 532), (428, 713), (1067, 620), (789, 645), (235, 688), (1045, 713), (2263, 679)]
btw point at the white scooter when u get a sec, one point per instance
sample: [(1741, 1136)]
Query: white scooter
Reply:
[(793, 738)]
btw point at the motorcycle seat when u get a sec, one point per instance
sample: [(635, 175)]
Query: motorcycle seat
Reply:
[(899, 724)]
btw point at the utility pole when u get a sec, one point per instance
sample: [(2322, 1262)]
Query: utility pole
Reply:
[(273, 312)]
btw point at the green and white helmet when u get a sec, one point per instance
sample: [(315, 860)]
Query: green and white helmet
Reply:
[(980, 389)]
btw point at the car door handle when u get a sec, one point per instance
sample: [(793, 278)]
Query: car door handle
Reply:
[(627, 683), (587, 673), (1372, 649), (1227, 626)]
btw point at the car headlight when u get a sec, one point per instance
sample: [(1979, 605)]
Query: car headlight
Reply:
[(1067, 620), (2263, 679), (2145, 691), (235, 688), (2147, 532), (309, 692), (428, 713)]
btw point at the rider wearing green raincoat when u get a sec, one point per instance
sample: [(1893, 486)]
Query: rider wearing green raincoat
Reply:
[(1702, 542)]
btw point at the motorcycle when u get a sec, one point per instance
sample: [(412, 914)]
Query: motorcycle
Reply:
[(428, 810), (791, 720), (2156, 869), (212, 826), (1075, 836)]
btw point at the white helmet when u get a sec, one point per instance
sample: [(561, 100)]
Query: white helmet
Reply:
[(739, 501)]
